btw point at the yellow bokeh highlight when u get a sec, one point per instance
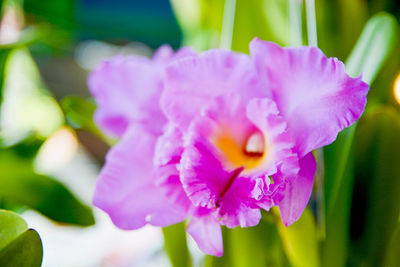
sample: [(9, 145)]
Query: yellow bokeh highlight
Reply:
[(396, 89)]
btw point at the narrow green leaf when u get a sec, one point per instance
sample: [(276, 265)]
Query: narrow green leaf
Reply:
[(25, 250), (376, 42), (20, 184), (176, 245), (300, 240), (3, 61)]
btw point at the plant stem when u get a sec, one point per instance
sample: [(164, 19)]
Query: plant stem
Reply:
[(227, 24), (311, 23), (296, 32)]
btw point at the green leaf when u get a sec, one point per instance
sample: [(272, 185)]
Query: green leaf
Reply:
[(19, 246), (378, 176), (11, 226), (300, 240), (20, 184), (26, 250), (375, 44), (176, 245)]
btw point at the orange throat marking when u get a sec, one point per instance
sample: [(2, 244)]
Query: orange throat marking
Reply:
[(248, 155)]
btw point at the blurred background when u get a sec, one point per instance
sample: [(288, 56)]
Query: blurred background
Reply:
[(51, 151)]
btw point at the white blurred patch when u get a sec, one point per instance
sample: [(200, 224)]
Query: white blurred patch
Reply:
[(27, 106), (90, 53)]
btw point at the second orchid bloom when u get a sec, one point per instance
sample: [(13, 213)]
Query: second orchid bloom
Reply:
[(216, 137)]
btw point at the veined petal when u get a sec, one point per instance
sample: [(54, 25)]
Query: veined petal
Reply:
[(192, 82), (216, 169), (169, 146), (296, 192), (314, 93), (238, 205), (125, 188), (127, 89), (279, 141)]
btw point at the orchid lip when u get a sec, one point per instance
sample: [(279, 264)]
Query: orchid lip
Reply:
[(235, 174)]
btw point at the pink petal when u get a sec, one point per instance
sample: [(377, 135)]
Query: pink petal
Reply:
[(125, 188), (208, 177), (191, 83), (238, 205), (206, 231), (313, 92), (127, 89), (297, 191), (264, 114), (168, 152), (169, 146)]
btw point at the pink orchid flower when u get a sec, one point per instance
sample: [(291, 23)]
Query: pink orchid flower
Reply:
[(217, 137)]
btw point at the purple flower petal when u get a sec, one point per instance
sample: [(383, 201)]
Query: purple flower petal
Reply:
[(296, 192), (125, 188), (313, 92), (238, 205), (192, 82), (127, 89), (206, 231), (264, 114), (169, 146), (218, 173)]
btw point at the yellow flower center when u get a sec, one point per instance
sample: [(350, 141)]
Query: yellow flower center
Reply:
[(248, 154)]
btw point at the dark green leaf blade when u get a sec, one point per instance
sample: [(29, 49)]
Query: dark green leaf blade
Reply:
[(19, 246), (25, 250), (378, 174)]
